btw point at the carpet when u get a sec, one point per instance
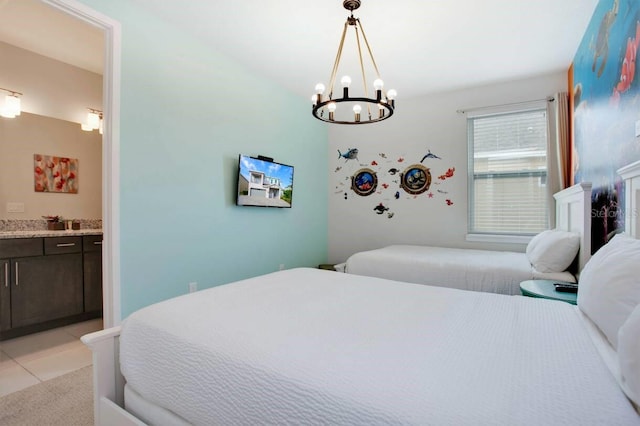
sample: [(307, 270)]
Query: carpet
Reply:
[(66, 400)]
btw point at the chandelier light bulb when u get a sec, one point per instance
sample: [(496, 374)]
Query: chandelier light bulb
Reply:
[(356, 109), (319, 88), (391, 94), (378, 84), (331, 106), (345, 81)]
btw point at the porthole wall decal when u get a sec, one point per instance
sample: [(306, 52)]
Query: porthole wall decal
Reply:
[(364, 182), (415, 179)]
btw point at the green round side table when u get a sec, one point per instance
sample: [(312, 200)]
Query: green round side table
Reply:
[(544, 289)]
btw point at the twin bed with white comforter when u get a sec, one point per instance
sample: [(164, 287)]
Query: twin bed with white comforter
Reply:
[(307, 346), (486, 270), (465, 269)]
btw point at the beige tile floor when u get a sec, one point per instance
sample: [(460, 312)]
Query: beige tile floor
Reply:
[(29, 360)]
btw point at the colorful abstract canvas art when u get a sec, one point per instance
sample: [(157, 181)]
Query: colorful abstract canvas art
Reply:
[(55, 174)]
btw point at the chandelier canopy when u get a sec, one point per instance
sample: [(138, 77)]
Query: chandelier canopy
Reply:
[(378, 108)]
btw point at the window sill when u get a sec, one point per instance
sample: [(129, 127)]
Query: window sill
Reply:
[(497, 238)]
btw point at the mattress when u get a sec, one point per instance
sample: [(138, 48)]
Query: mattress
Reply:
[(467, 269), (306, 346), (149, 413)]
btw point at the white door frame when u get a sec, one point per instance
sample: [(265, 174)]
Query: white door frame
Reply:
[(110, 153)]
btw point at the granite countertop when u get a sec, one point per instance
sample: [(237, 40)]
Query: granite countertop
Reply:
[(4, 235)]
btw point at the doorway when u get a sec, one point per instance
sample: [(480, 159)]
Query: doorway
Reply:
[(110, 150), (38, 354)]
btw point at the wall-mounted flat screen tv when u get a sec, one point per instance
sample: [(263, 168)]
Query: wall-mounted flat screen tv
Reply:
[(264, 183)]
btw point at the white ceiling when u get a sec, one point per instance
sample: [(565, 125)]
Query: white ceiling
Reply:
[(420, 46), (32, 25)]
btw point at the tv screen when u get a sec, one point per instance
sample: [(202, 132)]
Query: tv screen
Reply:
[(264, 183)]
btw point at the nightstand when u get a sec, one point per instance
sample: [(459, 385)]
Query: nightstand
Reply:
[(544, 289), (327, 266)]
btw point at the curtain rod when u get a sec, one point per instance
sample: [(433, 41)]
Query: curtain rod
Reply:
[(466, 110)]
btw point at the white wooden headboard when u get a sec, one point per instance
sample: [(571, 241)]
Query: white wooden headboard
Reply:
[(631, 176), (573, 213)]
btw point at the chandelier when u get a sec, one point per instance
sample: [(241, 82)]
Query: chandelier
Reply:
[(378, 108)]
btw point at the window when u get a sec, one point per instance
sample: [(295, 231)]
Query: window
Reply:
[(508, 172)]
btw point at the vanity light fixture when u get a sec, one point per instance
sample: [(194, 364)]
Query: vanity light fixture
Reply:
[(327, 108), (11, 107), (94, 121)]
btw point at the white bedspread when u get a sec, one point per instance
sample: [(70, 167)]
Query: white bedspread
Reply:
[(477, 270), (307, 346)]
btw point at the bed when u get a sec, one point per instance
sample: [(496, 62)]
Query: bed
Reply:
[(308, 346), (306, 350), (492, 271)]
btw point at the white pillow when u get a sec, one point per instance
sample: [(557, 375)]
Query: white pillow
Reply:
[(553, 250), (609, 287), (629, 355)]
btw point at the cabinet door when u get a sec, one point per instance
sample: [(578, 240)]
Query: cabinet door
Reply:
[(45, 288), (5, 295), (92, 281)]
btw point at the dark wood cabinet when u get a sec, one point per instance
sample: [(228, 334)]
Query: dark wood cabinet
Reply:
[(92, 264), (46, 288), (48, 282), (10, 250), (5, 295)]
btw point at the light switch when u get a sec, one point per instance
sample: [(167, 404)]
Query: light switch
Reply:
[(637, 128), (15, 207)]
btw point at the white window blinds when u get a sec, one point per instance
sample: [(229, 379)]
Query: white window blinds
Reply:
[(507, 172)]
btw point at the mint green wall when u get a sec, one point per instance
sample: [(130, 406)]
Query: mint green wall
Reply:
[(186, 114)]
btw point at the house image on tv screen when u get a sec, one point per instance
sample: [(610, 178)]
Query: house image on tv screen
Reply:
[(258, 187)]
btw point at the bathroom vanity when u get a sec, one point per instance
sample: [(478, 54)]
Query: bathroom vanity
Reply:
[(49, 279)]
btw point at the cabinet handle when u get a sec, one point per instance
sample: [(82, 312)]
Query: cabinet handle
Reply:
[(17, 275), (6, 274), (98, 243), (65, 244)]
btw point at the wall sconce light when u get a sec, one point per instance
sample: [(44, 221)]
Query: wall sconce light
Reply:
[(11, 107), (94, 121)]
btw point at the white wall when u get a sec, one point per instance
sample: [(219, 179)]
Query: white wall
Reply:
[(54, 101), (421, 124), (29, 134), (50, 88)]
